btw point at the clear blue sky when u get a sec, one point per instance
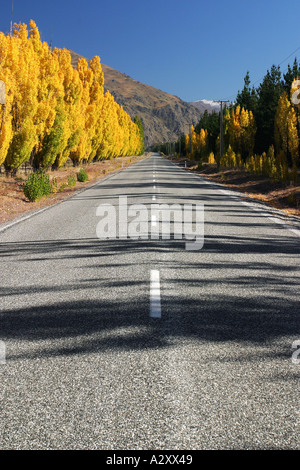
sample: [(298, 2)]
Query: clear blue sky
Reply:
[(194, 49)]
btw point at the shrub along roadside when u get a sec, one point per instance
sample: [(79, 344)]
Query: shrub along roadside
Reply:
[(82, 176), (37, 185), (63, 179)]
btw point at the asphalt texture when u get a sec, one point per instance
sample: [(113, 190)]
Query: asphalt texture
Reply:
[(87, 367)]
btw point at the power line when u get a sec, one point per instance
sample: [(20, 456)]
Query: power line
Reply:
[(259, 79), (51, 42), (289, 56)]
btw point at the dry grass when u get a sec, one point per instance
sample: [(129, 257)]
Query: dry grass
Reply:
[(274, 193), (13, 203)]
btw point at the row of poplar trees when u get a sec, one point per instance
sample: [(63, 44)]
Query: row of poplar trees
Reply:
[(261, 129), (54, 111)]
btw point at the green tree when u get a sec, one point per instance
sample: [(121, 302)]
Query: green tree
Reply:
[(247, 98), (291, 74), (52, 142), (269, 92), (210, 122)]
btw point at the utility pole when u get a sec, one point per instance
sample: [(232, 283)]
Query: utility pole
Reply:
[(2, 102), (11, 19), (221, 125), (51, 40)]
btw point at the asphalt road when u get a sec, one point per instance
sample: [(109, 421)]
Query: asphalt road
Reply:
[(142, 344)]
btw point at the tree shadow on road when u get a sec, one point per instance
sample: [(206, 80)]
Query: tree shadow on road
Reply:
[(191, 308)]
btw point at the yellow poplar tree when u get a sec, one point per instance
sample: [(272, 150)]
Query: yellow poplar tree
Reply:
[(235, 130), (83, 149), (283, 131), (203, 143), (50, 116), (293, 142), (73, 88), (6, 133), (110, 123), (54, 111), (25, 69), (96, 100), (241, 131), (187, 145), (194, 141)]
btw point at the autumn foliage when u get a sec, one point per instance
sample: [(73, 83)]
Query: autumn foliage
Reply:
[(54, 111), (261, 129), (239, 142)]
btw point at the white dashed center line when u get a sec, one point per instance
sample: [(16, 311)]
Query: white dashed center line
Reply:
[(155, 303)]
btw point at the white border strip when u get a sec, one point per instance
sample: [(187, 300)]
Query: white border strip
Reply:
[(264, 211)]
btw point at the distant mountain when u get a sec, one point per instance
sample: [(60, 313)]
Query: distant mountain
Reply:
[(206, 105), (165, 117)]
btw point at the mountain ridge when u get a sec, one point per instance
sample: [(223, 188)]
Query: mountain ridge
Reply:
[(206, 105), (164, 116)]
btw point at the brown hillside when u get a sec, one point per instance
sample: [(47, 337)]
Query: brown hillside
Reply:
[(165, 117)]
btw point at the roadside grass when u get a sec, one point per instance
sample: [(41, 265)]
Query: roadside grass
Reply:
[(277, 194), (14, 203)]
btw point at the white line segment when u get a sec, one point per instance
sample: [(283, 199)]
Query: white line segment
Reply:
[(155, 303)]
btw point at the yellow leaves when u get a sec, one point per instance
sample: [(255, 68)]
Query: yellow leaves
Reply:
[(20, 31), (242, 130), (202, 140), (286, 135), (6, 132), (187, 145), (98, 78), (286, 132), (53, 107), (196, 144), (211, 159), (34, 34)]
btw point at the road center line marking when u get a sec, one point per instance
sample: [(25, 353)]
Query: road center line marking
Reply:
[(155, 302)]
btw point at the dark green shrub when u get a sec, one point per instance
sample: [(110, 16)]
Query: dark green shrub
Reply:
[(82, 176), (36, 186)]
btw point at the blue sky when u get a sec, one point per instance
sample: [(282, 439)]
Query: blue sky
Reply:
[(194, 49)]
